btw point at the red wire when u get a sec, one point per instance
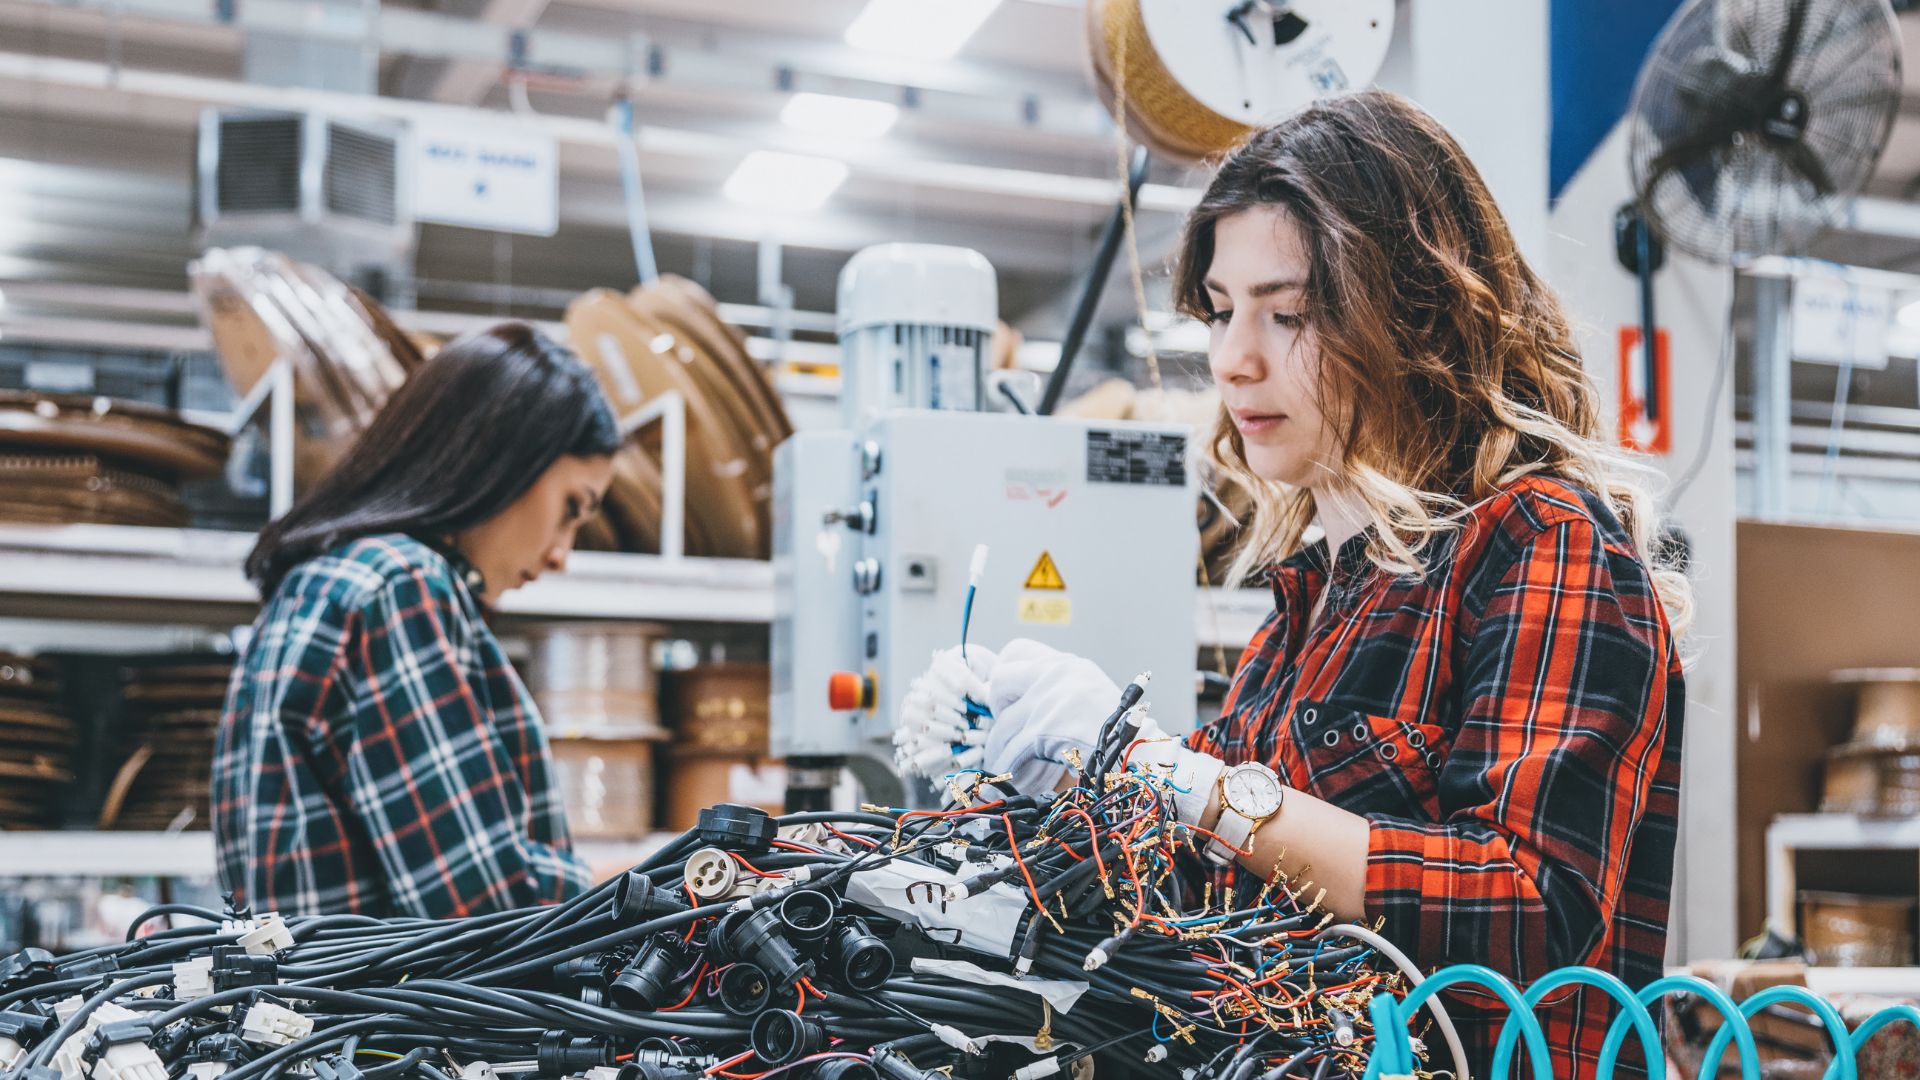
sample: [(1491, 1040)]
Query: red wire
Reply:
[(701, 974), (1093, 840), (748, 865), (1014, 842), (729, 1063)]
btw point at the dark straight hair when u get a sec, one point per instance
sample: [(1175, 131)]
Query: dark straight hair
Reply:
[(468, 434)]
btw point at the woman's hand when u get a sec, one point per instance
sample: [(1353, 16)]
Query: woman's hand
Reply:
[(942, 722), (1046, 704), (1049, 706)]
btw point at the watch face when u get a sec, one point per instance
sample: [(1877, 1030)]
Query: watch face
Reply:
[(1254, 793)]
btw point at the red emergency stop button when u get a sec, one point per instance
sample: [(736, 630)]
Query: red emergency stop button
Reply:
[(847, 691)]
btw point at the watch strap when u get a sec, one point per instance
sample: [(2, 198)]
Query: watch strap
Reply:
[(1230, 836)]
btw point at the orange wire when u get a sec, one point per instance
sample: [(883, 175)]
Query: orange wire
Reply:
[(743, 862), (852, 839), (1038, 903), (729, 1063), (801, 1005), (1093, 840), (701, 974)]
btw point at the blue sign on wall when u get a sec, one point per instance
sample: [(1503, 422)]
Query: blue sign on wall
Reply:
[(1597, 48)]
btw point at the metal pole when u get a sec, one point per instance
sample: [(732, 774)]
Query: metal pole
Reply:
[(1096, 283), (1772, 398)]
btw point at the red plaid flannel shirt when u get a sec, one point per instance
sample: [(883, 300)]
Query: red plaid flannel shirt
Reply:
[(1510, 727)]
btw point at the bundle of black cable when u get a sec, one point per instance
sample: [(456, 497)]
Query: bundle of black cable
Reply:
[(1012, 937)]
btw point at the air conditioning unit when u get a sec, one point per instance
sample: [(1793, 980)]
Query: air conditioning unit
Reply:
[(323, 190)]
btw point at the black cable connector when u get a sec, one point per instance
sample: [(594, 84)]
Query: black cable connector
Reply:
[(335, 1067), (26, 968), (560, 1053), (780, 1037)]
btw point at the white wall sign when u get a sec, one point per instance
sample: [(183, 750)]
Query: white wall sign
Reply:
[(1836, 321), (487, 178)]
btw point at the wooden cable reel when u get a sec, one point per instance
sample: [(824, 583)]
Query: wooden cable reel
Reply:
[(348, 356), (1196, 81), (69, 458), (636, 362)]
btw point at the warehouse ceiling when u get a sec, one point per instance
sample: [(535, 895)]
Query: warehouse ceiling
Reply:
[(1007, 151), (96, 148)]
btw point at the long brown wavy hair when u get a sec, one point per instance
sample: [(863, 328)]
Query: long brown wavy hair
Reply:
[(1447, 365)]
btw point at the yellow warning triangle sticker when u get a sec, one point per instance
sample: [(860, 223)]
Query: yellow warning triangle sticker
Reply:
[(1045, 575)]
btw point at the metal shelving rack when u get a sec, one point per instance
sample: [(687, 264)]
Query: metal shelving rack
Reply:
[(188, 576), (122, 574)]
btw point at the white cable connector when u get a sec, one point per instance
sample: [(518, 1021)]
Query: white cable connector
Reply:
[(193, 979), (208, 1070), (10, 1052), (977, 568), (956, 1038), (1156, 1054), (1046, 1066), (603, 1072), (267, 1024), (478, 1070), (267, 934), (68, 1058), (128, 1061)]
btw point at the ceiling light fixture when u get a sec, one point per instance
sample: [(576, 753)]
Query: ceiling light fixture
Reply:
[(839, 117), (780, 181), (922, 29)]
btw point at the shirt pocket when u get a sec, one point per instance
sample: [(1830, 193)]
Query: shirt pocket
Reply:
[(1366, 763)]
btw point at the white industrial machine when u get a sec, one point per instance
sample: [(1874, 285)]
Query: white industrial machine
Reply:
[(1090, 527)]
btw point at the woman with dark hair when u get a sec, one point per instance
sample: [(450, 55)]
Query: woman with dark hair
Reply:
[(1462, 721), (378, 754)]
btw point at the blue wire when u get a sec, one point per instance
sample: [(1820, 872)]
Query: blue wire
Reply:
[(966, 620)]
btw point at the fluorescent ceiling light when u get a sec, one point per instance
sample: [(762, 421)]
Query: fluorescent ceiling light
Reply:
[(784, 181), (853, 118), (922, 29)]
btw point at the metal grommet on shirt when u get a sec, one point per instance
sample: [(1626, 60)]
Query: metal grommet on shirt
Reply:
[(1310, 716), (1388, 751), (1332, 738), (1360, 733), (1415, 739), (1433, 759)]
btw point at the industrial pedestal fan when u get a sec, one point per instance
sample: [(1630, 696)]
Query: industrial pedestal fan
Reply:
[(1752, 125)]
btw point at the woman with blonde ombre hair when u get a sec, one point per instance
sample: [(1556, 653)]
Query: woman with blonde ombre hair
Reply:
[(1463, 718)]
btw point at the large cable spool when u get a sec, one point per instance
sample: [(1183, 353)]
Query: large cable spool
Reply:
[(1195, 77)]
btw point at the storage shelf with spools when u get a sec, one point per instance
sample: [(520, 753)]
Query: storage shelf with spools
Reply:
[(1792, 834), (111, 854), (188, 576)]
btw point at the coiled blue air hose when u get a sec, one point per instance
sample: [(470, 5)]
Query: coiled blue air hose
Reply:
[(1393, 1054)]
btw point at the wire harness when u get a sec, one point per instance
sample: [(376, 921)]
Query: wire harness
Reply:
[(1006, 935)]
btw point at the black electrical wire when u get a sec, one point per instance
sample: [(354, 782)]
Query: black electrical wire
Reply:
[(614, 970)]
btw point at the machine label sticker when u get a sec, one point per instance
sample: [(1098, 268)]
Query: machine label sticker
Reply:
[(1047, 487), (1045, 574), (1136, 457), (1046, 609), (1043, 599)]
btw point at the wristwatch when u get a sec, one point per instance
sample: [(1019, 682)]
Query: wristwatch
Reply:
[(1249, 795)]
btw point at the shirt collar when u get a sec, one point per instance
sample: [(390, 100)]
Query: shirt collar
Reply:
[(1302, 574), (463, 571)]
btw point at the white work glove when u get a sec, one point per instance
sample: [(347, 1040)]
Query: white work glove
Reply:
[(1047, 703), (936, 732)]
